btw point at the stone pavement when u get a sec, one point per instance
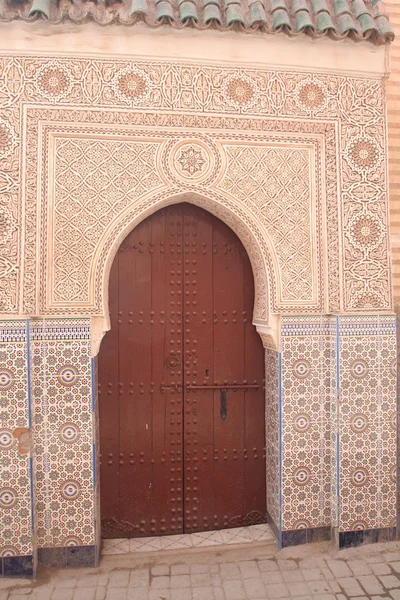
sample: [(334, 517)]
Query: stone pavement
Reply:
[(251, 572)]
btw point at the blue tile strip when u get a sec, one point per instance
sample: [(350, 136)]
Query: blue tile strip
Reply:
[(93, 410), (94, 464), (337, 408), (31, 478), (280, 444), (92, 386), (397, 420), (28, 358), (31, 485)]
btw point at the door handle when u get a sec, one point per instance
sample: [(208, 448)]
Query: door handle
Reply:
[(224, 405)]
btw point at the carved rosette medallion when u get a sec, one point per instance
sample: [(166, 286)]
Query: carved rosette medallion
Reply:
[(8, 140), (366, 299), (8, 225), (191, 161), (366, 231), (132, 85), (53, 81), (240, 91), (362, 153), (312, 95)]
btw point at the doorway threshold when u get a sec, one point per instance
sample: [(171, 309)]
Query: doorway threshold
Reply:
[(237, 535)]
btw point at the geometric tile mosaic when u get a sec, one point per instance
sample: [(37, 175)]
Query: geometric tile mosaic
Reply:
[(330, 431), (15, 466), (61, 384), (330, 428), (307, 364), (338, 436), (368, 422)]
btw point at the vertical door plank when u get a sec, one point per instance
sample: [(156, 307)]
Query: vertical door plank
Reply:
[(229, 471), (166, 276), (198, 369), (137, 504)]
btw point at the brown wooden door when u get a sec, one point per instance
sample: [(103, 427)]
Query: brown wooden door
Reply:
[(181, 397)]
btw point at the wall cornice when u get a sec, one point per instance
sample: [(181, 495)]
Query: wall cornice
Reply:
[(228, 47)]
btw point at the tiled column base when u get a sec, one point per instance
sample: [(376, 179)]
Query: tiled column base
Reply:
[(72, 557), (338, 421), (306, 382), (17, 566), (65, 453), (311, 535), (16, 524), (367, 444), (347, 539)]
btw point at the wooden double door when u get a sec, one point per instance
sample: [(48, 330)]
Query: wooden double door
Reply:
[(182, 421)]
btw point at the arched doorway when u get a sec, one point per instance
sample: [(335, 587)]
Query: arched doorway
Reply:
[(181, 392)]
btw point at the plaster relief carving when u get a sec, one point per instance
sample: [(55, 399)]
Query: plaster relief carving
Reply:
[(346, 112), (96, 182), (276, 182)]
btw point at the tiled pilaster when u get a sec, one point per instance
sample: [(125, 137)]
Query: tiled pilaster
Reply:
[(367, 440), (307, 365), (16, 523), (64, 461)]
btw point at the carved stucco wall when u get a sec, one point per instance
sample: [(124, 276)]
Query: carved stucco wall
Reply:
[(295, 163)]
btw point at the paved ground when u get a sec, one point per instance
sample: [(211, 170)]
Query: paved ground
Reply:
[(252, 572)]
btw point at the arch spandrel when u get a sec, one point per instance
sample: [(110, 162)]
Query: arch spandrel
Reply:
[(117, 182), (251, 234)]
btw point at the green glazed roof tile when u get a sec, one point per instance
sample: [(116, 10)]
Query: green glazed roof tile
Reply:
[(303, 20), (40, 6), (234, 14), (366, 23), (139, 7), (275, 4), (281, 18), (380, 10), (257, 13), (340, 7), (383, 26), (357, 19), (359, 8), (187, 10), (319, 6), (346, 23), (299, 5), (211, 13), (164, 10), (207, 2), (324, 22)]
